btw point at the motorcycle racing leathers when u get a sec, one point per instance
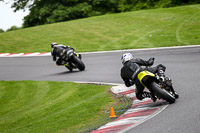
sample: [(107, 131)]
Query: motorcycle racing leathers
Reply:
[(60, 52), (132, 68)]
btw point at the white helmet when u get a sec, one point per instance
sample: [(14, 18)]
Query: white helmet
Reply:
[(126, 57)]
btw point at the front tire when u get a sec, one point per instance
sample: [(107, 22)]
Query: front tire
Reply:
[(162, 93), (79, 64)]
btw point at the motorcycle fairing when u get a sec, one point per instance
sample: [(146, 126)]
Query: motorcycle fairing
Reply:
[(143, 74), (67, 65)]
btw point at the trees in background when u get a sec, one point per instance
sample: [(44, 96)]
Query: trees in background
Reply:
[(51, 11), (1, 30), (10, 29), (13, 28)]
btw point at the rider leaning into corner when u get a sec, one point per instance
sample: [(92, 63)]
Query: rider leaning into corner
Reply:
[(133, 66), (60, 52)]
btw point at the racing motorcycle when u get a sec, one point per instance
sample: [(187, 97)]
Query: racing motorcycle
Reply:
[(161, 87), (73, 60)]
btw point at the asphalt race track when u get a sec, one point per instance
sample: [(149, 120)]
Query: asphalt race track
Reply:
[(183, 66)]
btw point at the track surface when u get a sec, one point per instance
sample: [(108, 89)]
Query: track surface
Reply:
[(183, 66)]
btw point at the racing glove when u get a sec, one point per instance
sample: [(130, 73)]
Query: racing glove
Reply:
[(151, 61)]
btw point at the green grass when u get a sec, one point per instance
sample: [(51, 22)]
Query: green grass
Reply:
[(138, 29), (49, 107)]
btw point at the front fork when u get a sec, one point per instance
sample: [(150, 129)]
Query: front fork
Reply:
[(166, 84)]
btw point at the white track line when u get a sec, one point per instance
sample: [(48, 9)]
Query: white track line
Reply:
[(142, 121), (117, 89), (99, 52)]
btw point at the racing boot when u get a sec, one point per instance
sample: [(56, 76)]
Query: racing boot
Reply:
[(149, 95), (68, 67)]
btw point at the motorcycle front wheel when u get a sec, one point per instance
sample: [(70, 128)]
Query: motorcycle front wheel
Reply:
[(78, 62), (162, 93)]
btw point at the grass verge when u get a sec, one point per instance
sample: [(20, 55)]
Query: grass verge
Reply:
[(138, 29), (47, 106)]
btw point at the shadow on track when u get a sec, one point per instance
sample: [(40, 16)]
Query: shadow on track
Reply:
[(153, 104), (158, 103), (66, 72)]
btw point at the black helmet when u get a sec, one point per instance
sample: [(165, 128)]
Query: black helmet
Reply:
[(53, 44)]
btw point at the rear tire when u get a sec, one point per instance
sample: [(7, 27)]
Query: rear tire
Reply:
[(162, 93), (79, 64)]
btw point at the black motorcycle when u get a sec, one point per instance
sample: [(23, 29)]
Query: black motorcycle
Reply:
[(73, 60)]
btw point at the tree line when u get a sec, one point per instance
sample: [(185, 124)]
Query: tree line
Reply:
[(51, 11)]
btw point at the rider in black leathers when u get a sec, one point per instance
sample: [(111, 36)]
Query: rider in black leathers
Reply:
[(60, 52), (132, 67)]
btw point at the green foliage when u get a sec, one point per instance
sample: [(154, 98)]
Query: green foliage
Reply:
[(1, 30), (13, 28), (51, 11), (63, 13), (45, 12)]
